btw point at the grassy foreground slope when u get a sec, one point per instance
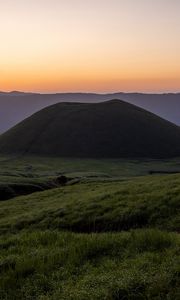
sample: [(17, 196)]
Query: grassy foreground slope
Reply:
[(150, 201), (108, 129), (26, 174), (42, 259), (52, 265)]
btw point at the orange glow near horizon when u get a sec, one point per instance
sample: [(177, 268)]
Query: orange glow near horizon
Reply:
[(90, 46)]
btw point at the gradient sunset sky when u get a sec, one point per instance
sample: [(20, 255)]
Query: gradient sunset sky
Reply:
[(90, 45)]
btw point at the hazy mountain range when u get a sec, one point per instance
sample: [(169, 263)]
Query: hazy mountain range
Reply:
[(16, 106)]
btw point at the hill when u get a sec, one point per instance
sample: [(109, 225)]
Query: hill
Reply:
[(63, 127), (108, 129), (16, 106)]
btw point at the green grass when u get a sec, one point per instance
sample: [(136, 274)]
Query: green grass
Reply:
[(17, 167), (150, 201), (56, 265), (113, 236), (23, 175)]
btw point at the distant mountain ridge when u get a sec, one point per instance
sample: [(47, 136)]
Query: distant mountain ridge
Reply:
[(16, 106), (17, 93), (111, 129)]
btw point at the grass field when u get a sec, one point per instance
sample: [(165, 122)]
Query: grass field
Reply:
[(140, 264), (113, 235), (32, 166), (102, 206)]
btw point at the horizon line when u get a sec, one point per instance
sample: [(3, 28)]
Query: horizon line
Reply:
[(89, 93)]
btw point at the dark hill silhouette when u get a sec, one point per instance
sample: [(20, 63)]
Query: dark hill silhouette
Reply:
[(108, 129), (16, 106)]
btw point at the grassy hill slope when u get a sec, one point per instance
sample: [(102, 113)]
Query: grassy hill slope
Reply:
[(51, 265), (17, 106), (39, 260), (150, 201), (108, 129)]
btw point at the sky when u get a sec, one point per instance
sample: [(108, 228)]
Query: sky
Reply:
[(90, 45)]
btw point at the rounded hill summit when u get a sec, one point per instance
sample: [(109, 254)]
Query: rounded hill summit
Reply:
[(111, 129)]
